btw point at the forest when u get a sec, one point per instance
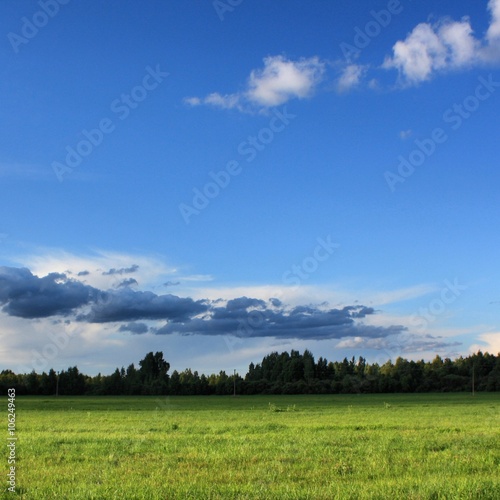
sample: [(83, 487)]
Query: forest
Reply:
[(285, 373)]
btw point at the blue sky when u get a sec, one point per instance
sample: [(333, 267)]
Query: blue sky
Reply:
[(218, 180)]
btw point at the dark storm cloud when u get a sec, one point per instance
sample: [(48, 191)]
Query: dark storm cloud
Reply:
[(171, 283), (25, 295), (234, 310), (362, 311), (135, 328), (124, 270), (245, 317), (130, 305), (243, 303), (127, 282)]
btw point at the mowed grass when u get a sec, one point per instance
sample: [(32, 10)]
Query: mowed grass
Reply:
[(259, 447)]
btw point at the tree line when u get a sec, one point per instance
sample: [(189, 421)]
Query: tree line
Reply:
[(285, 373)]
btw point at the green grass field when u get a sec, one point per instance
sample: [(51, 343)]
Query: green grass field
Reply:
[(258, 447)]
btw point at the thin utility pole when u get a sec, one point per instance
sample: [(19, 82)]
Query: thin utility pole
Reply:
[(57, 384), (473, 380), (234, 383)]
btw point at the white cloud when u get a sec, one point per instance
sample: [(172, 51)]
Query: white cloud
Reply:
[(215, 99), (276, 83), (446, 45), (490, 53), (493, 33), (222, 101), (43, 344), (428, 49), (461, 45), (491, 343), (192, 101), (350, 77), (282, 80), (405, 345)]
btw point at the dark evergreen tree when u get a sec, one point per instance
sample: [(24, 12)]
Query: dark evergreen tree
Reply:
[(285, 373)]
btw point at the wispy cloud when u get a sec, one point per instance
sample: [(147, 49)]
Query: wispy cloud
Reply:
[(404, 134), (196, 277), (124, 270), (279, 81), (397, 345), (171, 283), (25, 172), (350, 77)]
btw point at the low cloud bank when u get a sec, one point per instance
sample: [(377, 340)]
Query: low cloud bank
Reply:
[(25, 295)]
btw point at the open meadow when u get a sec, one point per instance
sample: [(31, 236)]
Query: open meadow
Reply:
[(258, 447)]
